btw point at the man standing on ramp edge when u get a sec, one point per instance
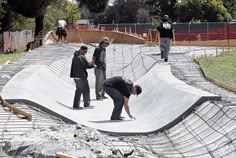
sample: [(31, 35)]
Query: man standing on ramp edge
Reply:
[(119, 90), (79, 72), (166, 34), (99, 58)]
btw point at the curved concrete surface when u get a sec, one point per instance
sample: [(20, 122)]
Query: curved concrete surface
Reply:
[(164, 102)]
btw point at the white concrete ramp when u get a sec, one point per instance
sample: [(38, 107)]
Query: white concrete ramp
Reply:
[(164, 102)]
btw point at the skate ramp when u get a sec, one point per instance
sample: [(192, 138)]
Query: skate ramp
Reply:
[(164, 102)]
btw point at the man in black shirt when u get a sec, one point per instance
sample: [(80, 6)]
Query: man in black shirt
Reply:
[(80, 74), (166, 34), (119, 90)]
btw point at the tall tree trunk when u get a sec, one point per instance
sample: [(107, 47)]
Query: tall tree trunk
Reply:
[(7, 21), (38, 25)]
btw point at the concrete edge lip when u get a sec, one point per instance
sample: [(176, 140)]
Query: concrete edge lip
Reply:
[(161, 92), (43, 108)]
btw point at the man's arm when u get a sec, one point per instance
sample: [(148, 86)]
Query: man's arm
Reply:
[(159, 26), (86, 64), (95, 55), (126, 100), (94, 59)]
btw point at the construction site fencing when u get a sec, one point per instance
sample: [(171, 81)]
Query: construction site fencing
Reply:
[(11, 41), (209, 33)]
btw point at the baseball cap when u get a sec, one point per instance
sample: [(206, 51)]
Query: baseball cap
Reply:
[(138, 89), (105, 40), (83, 47), (166, 17)]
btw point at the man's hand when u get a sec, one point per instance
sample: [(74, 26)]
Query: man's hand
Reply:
[(132, 117), (92, 62), (126, 106)]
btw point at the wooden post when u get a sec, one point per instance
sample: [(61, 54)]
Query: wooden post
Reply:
[(157, 37), (149, 36)]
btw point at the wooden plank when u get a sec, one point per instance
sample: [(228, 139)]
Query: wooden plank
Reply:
[(62, 155), (15, 110)]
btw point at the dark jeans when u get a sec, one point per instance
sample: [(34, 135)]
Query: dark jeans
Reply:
[(118, 100), (82, 87)]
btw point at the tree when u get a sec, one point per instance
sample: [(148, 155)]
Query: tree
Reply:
[(142, 16), (97, 6), (71, 12), (230, 5), (20, 22), (3, 5), (3, 14), (26, 8), (158, 8), (21, 14), (29, 8), (63, 10), (198, 10), (126, 11)]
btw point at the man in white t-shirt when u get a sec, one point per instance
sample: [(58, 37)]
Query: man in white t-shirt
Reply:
[(61, 31)]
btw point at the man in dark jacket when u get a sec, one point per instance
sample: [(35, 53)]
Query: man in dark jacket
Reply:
[(166, 34), (80, 74), (119, 90), (99, 58)]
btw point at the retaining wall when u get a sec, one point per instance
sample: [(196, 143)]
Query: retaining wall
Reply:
[(93, 36)]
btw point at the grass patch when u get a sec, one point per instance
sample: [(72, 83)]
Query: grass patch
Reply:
[(221, 67), (4, 57)]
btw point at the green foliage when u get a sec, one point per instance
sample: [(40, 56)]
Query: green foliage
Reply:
[(61, 9), (53, 13), (71, 12), (58, 9), (158, 8), (125, 11), (3, 4), (29, 8), (230, 5), (221, 68), (202, 10), (4, 57), (97, 6), (22, 23)]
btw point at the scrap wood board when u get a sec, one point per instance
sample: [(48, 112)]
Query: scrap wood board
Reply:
[(15, 110)]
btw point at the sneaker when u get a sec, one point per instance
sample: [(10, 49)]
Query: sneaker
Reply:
[(104, 97), (87, 105), (165, 60), (78, 108), (98, 98), (117, 118), (122, 117)]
